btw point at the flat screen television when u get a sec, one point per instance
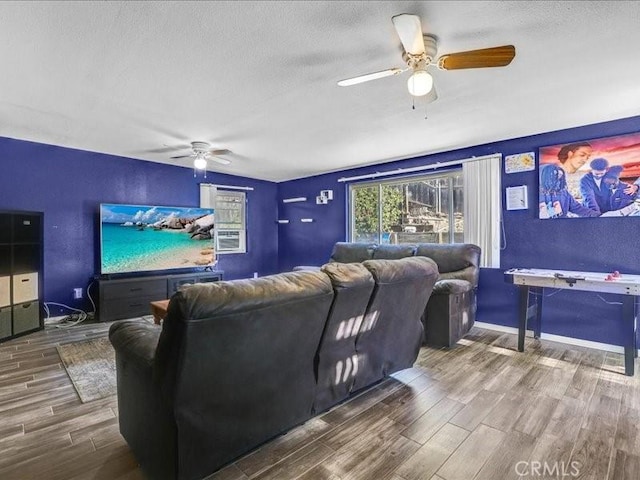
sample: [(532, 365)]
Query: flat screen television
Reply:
[(137, 238)]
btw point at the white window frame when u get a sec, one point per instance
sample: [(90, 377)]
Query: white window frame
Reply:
[(212, 197)]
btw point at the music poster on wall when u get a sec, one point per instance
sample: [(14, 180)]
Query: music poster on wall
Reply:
[(590, 179)]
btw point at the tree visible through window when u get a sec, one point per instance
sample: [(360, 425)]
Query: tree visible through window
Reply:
[(419, 209)]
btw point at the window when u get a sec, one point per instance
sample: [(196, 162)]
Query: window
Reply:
[(230, 218), (230, 222), (424, 209)]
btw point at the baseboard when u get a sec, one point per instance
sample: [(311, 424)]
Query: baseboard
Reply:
[(555, 338)]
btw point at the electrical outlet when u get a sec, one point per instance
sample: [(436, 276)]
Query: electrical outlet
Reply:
[(77, 293)]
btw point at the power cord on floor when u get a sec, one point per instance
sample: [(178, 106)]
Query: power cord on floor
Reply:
[(70, 320), (73, 319)]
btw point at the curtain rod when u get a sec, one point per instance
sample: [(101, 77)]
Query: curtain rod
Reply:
[(228, 187), (419, 169)]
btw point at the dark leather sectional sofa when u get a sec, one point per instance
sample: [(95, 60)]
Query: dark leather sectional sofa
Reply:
[(451, 309), (237, 363)]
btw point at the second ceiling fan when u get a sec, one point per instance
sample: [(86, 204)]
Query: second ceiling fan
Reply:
[(201, 152), (420, 52)]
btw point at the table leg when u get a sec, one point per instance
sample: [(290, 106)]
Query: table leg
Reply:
[(537, 328), (524, 308), (635, 327), (630, 351)]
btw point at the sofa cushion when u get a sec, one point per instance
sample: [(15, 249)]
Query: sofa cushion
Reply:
[(393, 252), (337, 358), (346, 275), (391, 333), (346, 252)]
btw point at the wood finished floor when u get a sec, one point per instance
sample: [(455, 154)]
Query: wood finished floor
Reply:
[(471, 412)]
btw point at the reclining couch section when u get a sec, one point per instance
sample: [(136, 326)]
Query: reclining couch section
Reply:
[(237, 363), (451, 309)]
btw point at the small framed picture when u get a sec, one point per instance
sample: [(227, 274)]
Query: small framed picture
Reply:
[(517, 198), (521, 162)]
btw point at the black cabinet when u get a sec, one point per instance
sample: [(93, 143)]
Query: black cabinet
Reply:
[(175, 282), (127, 298), (130, 297), (21, 273)]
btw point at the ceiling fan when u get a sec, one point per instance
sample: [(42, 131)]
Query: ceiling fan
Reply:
[(420, 52), (202, 152)]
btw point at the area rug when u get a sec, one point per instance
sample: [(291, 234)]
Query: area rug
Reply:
[(91, 365)]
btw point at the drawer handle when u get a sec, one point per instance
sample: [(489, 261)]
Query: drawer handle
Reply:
[(135, 305), (24, 280), (135, 289)]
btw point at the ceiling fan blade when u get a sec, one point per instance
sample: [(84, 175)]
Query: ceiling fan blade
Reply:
[(222, 161), (224, 151), (182, 156), (409, 30), (214, 156), (167, 149), (370, 76), (486, 57)]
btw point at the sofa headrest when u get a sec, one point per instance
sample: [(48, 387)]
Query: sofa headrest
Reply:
[(393, 252), (451, 257), (345, 252), (391, 271), (204, 300), (345, 275)]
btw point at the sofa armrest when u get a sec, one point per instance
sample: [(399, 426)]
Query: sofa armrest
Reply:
[(471, 274), (135, 340), (451, 287)]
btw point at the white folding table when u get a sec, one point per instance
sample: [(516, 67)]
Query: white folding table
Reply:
[(533, 281)]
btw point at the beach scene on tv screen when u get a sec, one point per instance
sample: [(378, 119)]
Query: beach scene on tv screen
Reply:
[(138, 238)]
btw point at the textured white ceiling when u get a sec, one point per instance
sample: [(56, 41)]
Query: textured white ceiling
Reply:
[(143, 79)]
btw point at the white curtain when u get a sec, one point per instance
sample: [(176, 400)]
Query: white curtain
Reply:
[(482, 207), (208, 194)]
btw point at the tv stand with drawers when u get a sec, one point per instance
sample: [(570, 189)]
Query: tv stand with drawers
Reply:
[(130, 297)]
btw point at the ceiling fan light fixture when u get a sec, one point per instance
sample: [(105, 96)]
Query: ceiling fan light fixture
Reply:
[(420, 83), (200, 163)]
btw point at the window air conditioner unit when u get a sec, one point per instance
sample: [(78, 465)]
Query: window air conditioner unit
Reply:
[(230, 241)]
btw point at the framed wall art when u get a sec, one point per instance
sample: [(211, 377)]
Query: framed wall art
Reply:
[(591, 178)]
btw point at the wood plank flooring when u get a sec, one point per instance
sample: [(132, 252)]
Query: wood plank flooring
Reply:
[(480, 410)]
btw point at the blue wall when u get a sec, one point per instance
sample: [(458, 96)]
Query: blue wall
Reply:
[(69, 185), (604, 245)]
